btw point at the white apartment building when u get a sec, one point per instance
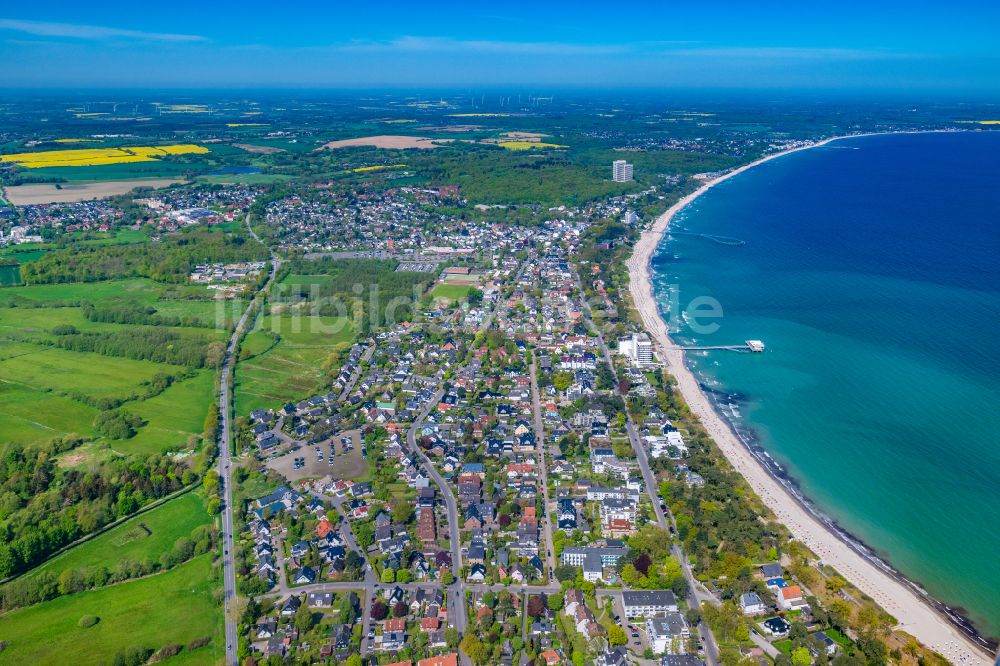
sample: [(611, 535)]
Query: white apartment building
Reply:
[(621, 171), (638, 348)]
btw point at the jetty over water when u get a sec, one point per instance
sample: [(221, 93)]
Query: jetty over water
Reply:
[(756, 346)]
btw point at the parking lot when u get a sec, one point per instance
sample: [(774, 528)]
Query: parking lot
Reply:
[(316, 465)]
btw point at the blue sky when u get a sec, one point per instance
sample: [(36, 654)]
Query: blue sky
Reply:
[(758, 44)]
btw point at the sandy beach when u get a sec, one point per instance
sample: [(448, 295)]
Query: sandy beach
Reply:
[(916, 614)]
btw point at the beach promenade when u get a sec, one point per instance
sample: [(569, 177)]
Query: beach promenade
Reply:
[(916, 615)]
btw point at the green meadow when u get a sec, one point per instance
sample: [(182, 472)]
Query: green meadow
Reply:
[(53, 369), (307, 350), (144, 537), (172, 417), (175, 607), (122, 171), (140, 290), (38, 382), (34, 417)]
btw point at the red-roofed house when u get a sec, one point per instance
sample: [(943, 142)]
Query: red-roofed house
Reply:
[(790, 597), (551, 657), (440, 660), (323, 528)]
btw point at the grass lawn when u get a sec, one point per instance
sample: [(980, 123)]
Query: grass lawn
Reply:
[(35, 417), (145, 536), (219, 314), (255, 343), (574, 636), (121, 171), (296, 366), (38, 322), (50, 368), (136, 289), (172, 607), (10, 275), (246, 178), (172, 417), (32, 375), (451, 292), (784, 645), (837, 637)]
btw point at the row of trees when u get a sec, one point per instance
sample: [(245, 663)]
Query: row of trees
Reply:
[(46, 585), (146, 344), (43, 506), (136, 313)]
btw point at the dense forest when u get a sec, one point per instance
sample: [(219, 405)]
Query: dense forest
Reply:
[(43, 506), (170, 259)]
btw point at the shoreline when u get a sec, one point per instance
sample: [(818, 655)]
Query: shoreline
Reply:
[(934, 624)]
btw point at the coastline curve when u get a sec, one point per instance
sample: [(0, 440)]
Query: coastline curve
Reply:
[(933, 623)]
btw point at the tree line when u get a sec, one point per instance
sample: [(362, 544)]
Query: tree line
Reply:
[(136, 313), (43, 506), (170, 259), (145, 344), (33, 589)]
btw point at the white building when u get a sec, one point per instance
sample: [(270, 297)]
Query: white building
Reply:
[(593, 567), (670, 444), (621, 171), (667, 634), (751, 604), (638, 348), (631, 217), (647, 603), (577, 555)]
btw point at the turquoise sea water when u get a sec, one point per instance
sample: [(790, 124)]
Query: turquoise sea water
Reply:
[(871, 270)]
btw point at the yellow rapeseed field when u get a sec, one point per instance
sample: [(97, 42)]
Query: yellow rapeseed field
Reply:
[(99, 156), (377, 168), (527, 145)]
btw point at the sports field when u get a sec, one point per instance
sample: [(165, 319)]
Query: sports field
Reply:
[(451, 292), (175, 607)]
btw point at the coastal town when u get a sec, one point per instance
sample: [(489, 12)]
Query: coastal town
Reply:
[(449, 421), (488, 481)]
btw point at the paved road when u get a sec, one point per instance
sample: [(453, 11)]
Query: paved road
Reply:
[(649, 479), (540, 443), (451, 505), (224, 467), (345, 394), (763, 644)]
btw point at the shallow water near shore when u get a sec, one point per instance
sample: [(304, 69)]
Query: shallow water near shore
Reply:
[(870, 269)]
